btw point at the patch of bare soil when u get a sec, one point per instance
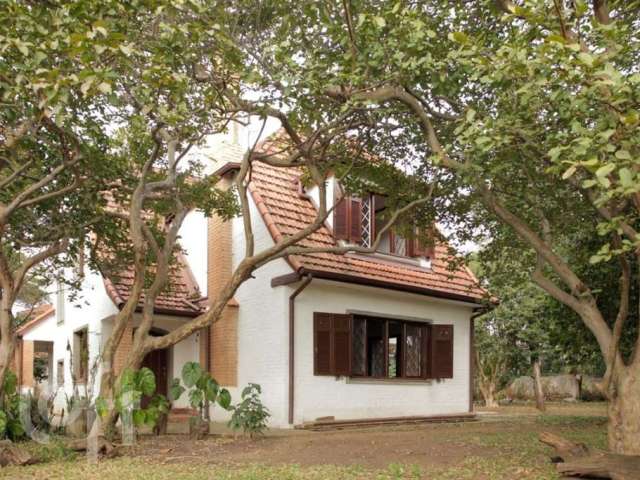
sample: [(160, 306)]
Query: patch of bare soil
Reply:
[(428, 446)]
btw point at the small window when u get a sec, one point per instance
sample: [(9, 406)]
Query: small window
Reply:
[(81, 355), (60, 373)]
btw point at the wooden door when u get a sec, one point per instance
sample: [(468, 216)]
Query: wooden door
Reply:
[(158, 362)]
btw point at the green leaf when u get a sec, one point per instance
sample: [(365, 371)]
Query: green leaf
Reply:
[(605, 170), (102, 407), (586, 58), (139, 417), (224, 399), (104, 87), (196, 398), (10, 383), (211, 389), (86, 85), (191, 372), (3, 423), (626, 177), (175, 390), (569, 172), (380, 22), (146, 381), (623, 155), (127, 381), (127, 50), (15, 428), (471, 114), (460, 37)]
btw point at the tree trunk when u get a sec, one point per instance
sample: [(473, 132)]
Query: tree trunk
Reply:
[(7, 343), (537, 380), (624, 412), (133, 361), (488, 391)]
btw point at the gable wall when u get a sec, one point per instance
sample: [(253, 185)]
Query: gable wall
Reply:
[(262, 323)]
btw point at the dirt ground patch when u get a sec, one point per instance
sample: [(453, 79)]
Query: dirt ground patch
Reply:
[(503, 444), (430, 445)]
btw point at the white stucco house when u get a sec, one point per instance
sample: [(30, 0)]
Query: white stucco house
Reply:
[(329, 338)]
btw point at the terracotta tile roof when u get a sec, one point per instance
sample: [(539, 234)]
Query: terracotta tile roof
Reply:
[(285, 211), (33, 317), (181, 297)]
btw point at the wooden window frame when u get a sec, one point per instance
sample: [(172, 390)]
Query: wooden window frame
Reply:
[(80, 369), (425, 350), (60, 372), (336, 358)]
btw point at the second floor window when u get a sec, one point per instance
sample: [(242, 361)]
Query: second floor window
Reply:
[(359, 220)]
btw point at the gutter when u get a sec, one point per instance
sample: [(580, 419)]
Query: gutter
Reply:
[(292, 315), (356, 280)]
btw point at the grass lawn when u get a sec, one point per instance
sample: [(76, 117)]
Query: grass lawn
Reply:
[(503, 445)]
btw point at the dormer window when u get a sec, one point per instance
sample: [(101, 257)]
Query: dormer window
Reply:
[(358, 221)]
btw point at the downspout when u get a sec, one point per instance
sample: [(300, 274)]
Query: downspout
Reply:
[(292, 316)]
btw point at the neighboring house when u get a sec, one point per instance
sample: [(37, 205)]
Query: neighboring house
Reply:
[(348, 337)]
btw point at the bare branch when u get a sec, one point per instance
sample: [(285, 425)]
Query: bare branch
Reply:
[(21, 273), (15, 174)]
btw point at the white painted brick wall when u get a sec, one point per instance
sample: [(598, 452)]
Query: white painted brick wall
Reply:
[(319, 396), (263, 346)]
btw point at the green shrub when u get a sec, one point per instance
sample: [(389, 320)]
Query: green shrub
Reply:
[(203, 389), (250, 415), (131, 387), (11, 426)]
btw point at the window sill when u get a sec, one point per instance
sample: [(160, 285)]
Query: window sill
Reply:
[(389, 381), (389, 258)]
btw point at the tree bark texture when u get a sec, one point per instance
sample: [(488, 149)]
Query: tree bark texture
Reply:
[(576, 460), (537, 385)]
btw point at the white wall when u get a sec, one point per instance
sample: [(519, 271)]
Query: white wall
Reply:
[(90, 305), (320, 396), (314, 192), (193, 239), (262, 325)]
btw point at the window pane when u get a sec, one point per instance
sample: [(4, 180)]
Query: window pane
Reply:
[(359, 347), (395, 350), (399, 245), (375, 347), (413, 347), (365, 216)]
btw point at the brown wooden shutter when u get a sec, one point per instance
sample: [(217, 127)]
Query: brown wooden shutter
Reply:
[(442, 351), (341, 344), (421, 245), (355, 221), (322, 343), (341, 218), (331, 344)]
